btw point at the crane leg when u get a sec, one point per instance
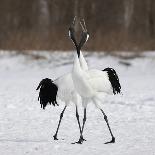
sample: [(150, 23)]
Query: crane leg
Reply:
[(84, 119), (61, 115), (81, 139), (106, 119)]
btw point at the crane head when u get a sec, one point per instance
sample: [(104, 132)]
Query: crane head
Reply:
[(71, 32), (84, 35)]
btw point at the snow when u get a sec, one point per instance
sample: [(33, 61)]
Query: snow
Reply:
[(27, 129)]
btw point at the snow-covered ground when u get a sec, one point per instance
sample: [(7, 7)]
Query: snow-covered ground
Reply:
[(27, 129)]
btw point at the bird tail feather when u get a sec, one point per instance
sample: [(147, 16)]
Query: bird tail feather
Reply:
[(48, 92), (113, 78)]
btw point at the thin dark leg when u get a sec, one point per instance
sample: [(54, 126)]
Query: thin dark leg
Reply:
[(77, 116), (106, 119), (81, 137), (61, 115), (84, 119)]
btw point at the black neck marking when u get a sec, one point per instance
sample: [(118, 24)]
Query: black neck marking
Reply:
[(78, 51)]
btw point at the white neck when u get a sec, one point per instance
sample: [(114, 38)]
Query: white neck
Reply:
[(76, 64), (80, 77), (83, 62)]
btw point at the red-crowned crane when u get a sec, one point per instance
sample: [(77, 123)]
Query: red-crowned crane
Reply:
[(62, 88), (90, 83)]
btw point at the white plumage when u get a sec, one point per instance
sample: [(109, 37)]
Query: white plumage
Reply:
[(98, 79), (80, 83), (66, 91), (88, 83), (62, 88)]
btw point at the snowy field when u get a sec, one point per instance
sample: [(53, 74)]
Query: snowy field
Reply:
[(27, 129)]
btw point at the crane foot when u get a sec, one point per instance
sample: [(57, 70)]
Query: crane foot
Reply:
[(112, 141), (80, 141), (55, 137)]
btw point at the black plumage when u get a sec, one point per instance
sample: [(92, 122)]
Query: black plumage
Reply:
[(114, 80), (48, 92)]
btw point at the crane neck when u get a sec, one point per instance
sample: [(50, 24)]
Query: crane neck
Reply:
[(82, 60), (76, 64)]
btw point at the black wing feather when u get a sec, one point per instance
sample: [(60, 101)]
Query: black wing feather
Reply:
[(114, 80), (48, 92)]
